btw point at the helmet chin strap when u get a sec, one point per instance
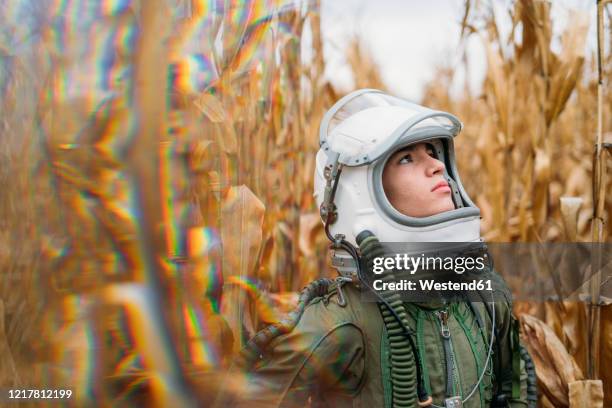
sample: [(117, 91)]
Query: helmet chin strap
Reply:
[(456, 195)]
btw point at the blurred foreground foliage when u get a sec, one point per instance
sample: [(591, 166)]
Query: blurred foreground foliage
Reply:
[(157, 164)]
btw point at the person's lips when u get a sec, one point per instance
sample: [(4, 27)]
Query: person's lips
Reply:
[(441, 186)]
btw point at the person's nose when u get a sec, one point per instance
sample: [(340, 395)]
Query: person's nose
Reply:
[(434, 167)]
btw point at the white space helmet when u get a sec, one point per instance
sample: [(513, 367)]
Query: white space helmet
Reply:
[(357, 137)]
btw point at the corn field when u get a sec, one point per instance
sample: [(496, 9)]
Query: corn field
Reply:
[(157, 164)]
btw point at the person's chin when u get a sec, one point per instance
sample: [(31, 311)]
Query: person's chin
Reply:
[(444, 206)]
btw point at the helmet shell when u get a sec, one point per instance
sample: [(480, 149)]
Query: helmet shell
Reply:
[(361, 132)]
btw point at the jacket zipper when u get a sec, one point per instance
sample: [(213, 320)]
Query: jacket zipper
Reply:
[(448, 352)]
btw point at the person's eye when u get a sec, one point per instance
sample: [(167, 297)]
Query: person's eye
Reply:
[(406, 159), (431, 153)]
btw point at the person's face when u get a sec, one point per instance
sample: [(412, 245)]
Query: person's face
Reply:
[(413, 180)]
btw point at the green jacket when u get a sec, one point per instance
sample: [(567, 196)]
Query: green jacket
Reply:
[(338, 356)]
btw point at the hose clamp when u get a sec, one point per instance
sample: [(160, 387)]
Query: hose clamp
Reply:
[(340, 281)]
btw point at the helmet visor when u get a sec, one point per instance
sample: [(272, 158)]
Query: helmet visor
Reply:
[(364, 124)]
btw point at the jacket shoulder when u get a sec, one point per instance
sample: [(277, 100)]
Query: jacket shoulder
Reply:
[(333, 308)]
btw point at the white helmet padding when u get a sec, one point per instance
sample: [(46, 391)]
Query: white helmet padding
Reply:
[(357, 136)]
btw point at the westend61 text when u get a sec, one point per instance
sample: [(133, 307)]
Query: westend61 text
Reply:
[(431, 284), (413, 263)]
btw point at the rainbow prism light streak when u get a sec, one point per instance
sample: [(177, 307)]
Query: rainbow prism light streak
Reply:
[(74, 59)]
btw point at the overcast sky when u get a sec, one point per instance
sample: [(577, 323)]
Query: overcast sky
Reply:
[(409, 38)]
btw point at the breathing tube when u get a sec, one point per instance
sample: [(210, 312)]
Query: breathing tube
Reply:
[(394, 317), (532, 387), (403, 365)]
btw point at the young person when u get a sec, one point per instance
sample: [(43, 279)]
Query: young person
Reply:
[(386, 173)]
